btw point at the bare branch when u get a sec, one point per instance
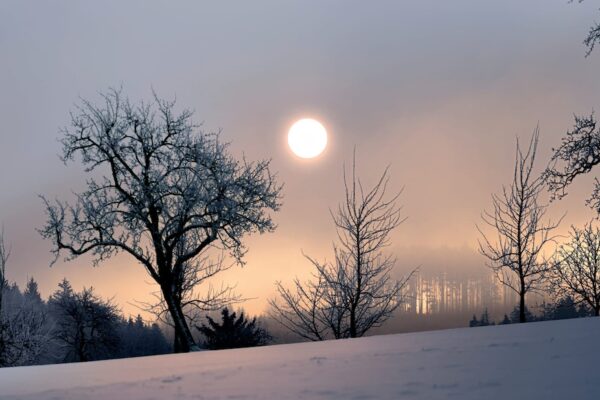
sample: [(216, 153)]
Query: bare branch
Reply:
[(516, 252), (355, 293), (169, 193)]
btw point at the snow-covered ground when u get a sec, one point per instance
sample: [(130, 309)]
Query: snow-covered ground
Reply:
[(546, 360)]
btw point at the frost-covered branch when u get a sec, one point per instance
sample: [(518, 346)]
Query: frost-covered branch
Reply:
[(164, 183)]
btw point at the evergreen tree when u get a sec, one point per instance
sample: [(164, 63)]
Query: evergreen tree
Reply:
[(86, 325), (140, 339), (564, 308), (505, 320), (473, 322), (32, 292), (515, 315), (485, 319), (584, 311), (233, 332)]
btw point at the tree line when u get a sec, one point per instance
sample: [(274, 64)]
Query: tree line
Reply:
[(80, 326), (70, 326)]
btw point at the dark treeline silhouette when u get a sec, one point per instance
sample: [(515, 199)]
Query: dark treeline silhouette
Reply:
[(70, 327), (563, 308)]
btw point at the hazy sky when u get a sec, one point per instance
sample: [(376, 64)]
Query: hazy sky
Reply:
[(437, 89)]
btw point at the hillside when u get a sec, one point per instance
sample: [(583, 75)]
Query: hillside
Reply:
[(546, 360)]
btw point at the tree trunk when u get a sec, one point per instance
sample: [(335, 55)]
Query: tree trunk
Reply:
[(184, 341), (597, 312), (176, 343), (352, 323), (522, 317)]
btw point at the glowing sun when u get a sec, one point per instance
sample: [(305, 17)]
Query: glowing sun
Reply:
[(307, 138)]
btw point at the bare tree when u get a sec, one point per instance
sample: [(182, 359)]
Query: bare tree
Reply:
[(24, 330), (578, 154), (593, 36), (169, 194), (515, 254), (308, 310), (579, 151), (24, 335), (193, 302), (356, 292), (86, 326), (576, 270)]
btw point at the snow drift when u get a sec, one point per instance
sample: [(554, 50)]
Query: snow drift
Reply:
[(545, 360)]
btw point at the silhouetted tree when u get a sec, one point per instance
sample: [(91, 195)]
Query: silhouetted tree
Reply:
[(583, 310), (578, 154), (485, 318), (505, 320), (576, 270), (474, 322), (171, 193), (516, 254), (579, 151), (355, 293), (140, 339), (23, 324), (86, 325), (483, 321), (194, 304), (233, 332), (563, 308), (32, 292), (593, 36), (515, 315), (314, 311)]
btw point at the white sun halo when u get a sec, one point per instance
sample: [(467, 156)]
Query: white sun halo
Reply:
[(307, 138)]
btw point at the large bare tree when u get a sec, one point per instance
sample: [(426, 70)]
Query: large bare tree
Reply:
[(515, 250), (193, 301), (356, 292), (160, 190), (593, 36), (578, 154), (579, 151), (576, 270)]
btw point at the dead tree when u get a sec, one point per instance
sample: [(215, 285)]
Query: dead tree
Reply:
[(356, 292), (515, 250), (576, 270), (168, 194)]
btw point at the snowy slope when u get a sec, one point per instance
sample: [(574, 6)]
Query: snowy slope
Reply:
[(547, 360)]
